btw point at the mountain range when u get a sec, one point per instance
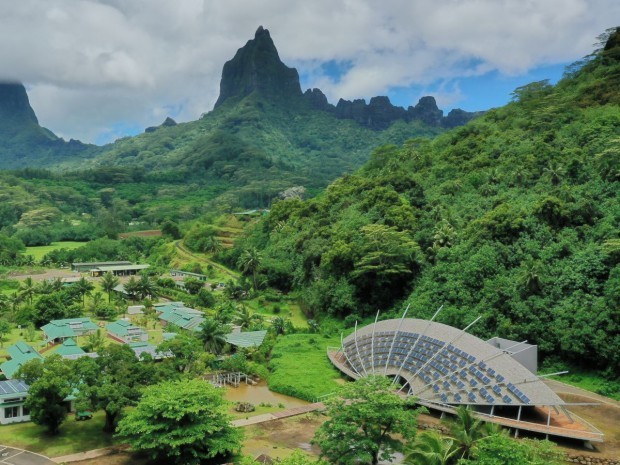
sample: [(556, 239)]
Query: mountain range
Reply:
[(262, 128)]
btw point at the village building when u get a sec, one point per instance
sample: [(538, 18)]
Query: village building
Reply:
[(246, 339), (125, 332), (19, 354), (60, 330), (188, 274), (13, 394), (135, 309), (143, 348), (87, 266), (118, 270), (177, 314)]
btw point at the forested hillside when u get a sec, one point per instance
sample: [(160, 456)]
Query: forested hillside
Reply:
[(514, 217)]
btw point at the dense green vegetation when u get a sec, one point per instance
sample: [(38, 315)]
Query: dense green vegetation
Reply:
[(514, 217)]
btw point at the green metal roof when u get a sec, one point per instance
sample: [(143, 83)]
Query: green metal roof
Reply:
[(247, 339), (124, 328), (122, 268), (20, 353), (70, 327), (186, 318), (69, 347)]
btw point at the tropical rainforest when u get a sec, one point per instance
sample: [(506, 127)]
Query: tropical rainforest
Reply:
[(513, 217)]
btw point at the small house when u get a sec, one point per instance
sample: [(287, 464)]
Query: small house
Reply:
[(60, 330), (19, 354), (13, 394), (125, 332)]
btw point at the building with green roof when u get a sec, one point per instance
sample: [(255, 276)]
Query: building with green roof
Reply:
[(175, 313), (60, 330), (13, 394), (69, 349), (124, 331), (142, 348), (20, 353), (246, 339)]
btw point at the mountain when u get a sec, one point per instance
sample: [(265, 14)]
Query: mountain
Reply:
[(513, 217), (263, 136), (23, 142)]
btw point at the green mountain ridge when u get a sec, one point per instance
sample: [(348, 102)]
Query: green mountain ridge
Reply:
[(514, 217)]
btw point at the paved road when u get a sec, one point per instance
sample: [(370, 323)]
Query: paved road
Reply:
[(12, 456)]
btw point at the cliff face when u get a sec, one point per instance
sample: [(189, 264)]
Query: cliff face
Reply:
[(256, 67), (15, 107)]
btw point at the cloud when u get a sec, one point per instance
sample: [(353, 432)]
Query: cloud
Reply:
[(94, 67)]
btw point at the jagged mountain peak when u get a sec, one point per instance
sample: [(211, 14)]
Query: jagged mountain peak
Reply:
[(14, 103), (256, 67)]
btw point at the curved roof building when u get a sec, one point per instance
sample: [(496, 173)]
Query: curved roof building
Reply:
[(444, 367)]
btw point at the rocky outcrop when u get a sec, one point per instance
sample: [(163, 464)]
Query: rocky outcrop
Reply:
[(14, 104), (168, 122), (317, 100), (256, 67)]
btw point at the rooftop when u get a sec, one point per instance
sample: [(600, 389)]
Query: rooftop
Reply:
[(246, 339)]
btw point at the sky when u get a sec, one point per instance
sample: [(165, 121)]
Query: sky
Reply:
[(97, 70)]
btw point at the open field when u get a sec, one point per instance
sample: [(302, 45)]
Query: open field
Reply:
[(39, 252), (74, 436), (300, 366)]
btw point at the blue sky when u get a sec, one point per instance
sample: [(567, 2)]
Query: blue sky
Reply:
[(96, 70)]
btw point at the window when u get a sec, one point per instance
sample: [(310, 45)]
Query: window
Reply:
[(11, 412), (25, 411)]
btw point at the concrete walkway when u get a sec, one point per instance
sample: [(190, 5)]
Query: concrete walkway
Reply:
[(277, 415), (13, 456), (90, 454)]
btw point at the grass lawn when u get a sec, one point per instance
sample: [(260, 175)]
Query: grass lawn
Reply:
[(18, 335), (300, 367), (39, 252), (288, 309), (75, 436)]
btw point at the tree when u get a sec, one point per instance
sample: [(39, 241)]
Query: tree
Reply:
[(281, 325), (212, 333), (250, 262), (132, 288), (146, 287), (500, 449), (108, 283), (431, 448), (192, 285), (186, 349), (84, 287), (5, 328), (28, 289), (185, 422), (50, 384), (466, 430), (367, 423)]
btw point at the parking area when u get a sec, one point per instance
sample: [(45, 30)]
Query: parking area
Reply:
[(12, 456)]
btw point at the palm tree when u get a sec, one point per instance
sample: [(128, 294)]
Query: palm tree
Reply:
[(530, 276), (96, 302), (212, 244), (132, 288), (212, 334), (280, 325), (108, 283), (244, 318), (466, 431), (28, 289), (14, 300), (431, 448), (84, 287), (146, 287), (249, 262)]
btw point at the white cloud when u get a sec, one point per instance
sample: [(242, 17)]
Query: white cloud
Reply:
[(93, 66)]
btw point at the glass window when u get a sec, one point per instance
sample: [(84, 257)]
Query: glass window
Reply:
[(11, 412)]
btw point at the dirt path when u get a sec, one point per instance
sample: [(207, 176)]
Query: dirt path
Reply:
[(185, 251), (563, 388)]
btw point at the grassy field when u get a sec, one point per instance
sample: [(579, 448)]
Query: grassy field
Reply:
[(39, 252), (591, 382), (300, 367), (287, 309), (74, 436)]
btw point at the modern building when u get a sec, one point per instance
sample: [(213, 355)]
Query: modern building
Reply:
[(60, 330), (445, 367), (118, 270), (87, 266), (69, 348), (13, 394), (125, 332), (19, 354), (187, 274)]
